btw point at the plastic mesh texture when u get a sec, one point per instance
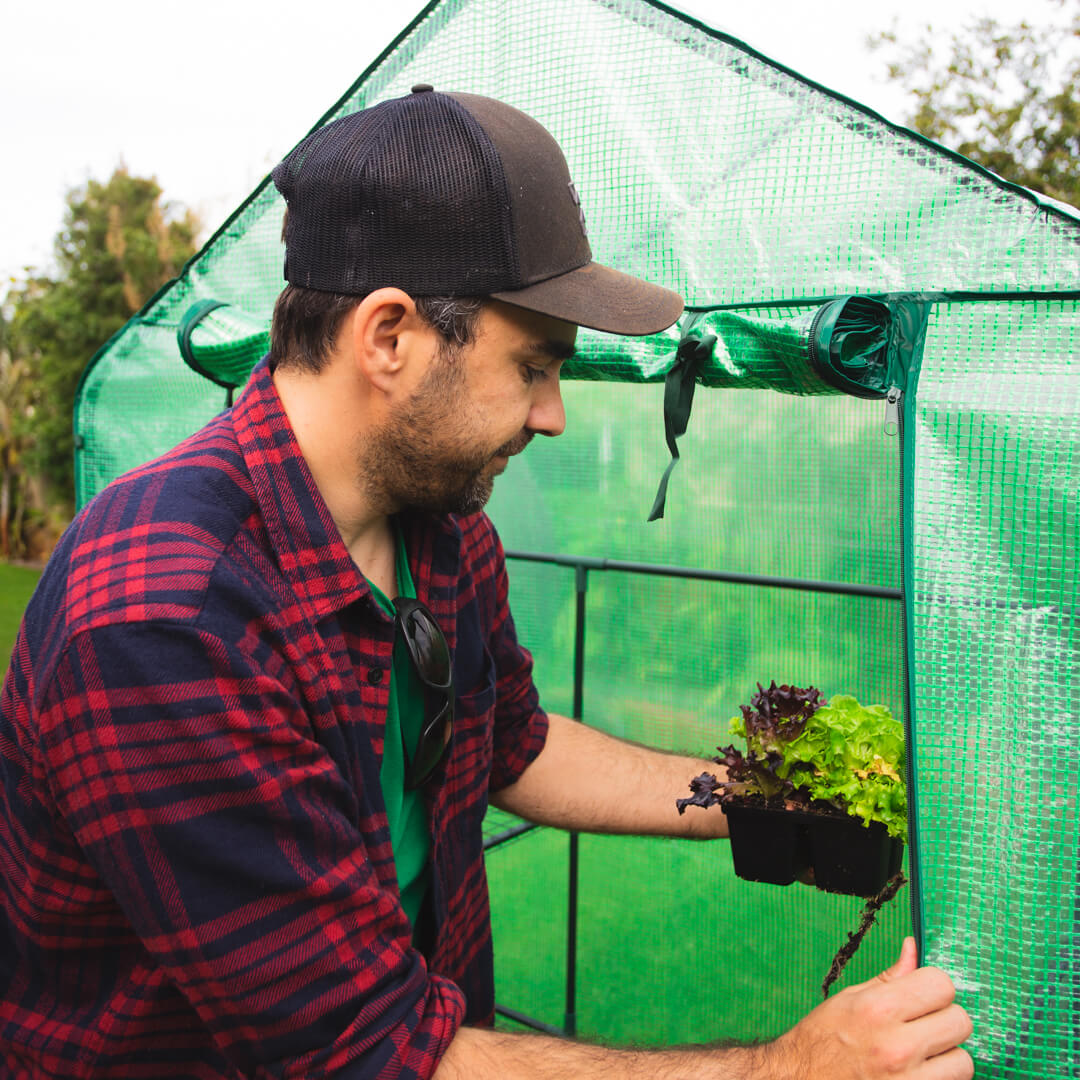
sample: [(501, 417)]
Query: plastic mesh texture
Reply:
[(701, 166), (222, 344), (706, 168), (994, 457), (673, 947)]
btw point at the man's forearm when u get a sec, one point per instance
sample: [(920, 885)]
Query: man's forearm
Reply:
[(901, 1025), (586, 780), (493, 1055)]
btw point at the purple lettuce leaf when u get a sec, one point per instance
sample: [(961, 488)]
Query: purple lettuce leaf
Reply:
[(780, 713), (704, 789)]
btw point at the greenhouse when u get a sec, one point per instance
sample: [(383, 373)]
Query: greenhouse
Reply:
[(873, 399)]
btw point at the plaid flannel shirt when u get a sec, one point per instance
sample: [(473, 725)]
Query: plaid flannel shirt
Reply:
[(197, 872)]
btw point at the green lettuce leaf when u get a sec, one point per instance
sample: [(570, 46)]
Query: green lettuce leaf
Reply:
[(802, 748)]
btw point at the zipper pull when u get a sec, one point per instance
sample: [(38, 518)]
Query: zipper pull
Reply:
[(892, 410)]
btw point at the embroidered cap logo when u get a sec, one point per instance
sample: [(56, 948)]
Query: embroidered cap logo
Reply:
[(580, 210)]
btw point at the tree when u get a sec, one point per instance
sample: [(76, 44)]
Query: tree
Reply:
[(119, 243), (1004, 96), (14, 394)]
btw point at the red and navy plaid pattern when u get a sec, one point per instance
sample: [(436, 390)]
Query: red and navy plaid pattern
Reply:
[(197, 873)]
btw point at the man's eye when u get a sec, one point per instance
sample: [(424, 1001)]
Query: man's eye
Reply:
[(533, 374)]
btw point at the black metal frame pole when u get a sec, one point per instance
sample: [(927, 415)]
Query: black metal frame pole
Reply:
[(840, 588), (582, 565), (527, 1021), (581, 586)]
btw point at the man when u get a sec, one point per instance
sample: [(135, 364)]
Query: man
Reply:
[(270, 681)]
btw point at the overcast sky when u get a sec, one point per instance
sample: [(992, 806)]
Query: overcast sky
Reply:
[(207, 95)]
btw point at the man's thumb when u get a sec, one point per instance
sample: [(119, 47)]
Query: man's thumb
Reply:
[(908, 961)]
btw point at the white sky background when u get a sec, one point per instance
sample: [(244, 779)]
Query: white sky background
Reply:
[(207, 95)]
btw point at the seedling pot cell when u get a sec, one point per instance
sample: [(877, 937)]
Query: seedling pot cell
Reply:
[(779, 845)]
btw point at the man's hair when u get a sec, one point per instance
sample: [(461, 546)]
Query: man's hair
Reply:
[(307, 322)]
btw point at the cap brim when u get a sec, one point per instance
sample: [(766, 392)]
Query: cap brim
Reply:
[(600, 298)]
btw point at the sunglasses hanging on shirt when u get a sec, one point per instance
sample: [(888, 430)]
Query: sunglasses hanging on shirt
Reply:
[(430, 656)]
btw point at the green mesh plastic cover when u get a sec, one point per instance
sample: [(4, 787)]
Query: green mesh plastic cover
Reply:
[(221, 343), (828, 255)]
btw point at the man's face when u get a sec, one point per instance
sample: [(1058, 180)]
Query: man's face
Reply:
[(474, 409)]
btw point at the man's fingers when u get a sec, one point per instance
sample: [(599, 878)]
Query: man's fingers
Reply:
[(907, 962), (943, 1030), (921, 992), (955, 1064)]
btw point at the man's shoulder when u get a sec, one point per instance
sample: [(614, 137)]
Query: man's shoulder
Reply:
[(479, 537), (148, 544), (454, 541), (482, 566)]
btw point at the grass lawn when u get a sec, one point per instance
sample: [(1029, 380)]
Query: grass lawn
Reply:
[(672, 947), (16, 585)]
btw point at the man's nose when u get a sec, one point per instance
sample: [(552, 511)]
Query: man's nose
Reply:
[(547, 415)]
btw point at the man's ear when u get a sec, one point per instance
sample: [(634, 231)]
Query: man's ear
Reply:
[(384, 329)]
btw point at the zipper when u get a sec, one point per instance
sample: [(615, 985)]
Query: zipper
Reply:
[(894, 427), (812, 346)]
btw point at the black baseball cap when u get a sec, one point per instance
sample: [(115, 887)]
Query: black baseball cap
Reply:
[(453, 195)]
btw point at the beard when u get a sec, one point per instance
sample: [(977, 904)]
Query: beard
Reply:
[(425, 457)]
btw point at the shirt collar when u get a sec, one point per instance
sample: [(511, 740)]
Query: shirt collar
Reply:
[(310, 551)]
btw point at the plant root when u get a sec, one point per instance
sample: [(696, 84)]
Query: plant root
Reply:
[(869, 914)]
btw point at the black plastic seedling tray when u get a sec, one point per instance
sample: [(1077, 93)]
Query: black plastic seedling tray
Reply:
[(779, 845)]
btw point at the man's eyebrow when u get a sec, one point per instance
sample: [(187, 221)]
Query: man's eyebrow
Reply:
[(553, 350)]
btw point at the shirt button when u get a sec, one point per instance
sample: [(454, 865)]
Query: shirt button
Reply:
[(375, 675)]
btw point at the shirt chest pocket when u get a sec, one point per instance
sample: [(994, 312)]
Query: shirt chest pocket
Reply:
[(474, 730)]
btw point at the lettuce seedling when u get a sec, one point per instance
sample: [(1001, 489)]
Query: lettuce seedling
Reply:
[(803, 749)]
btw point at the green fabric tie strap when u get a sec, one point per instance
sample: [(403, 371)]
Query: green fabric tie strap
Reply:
[(693, 352), (221, 342)]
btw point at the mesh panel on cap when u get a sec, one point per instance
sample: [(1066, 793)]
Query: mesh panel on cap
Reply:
[(410, 193)]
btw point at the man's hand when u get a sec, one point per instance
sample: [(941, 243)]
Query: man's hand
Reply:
[(902, 1023)]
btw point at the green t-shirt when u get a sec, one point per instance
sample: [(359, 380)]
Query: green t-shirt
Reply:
[(405, 810)]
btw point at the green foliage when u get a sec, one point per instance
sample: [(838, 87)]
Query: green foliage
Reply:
[(119, 243), (14, 392), (843, 753), (1008, 97), (848, 754), (801, 749)]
